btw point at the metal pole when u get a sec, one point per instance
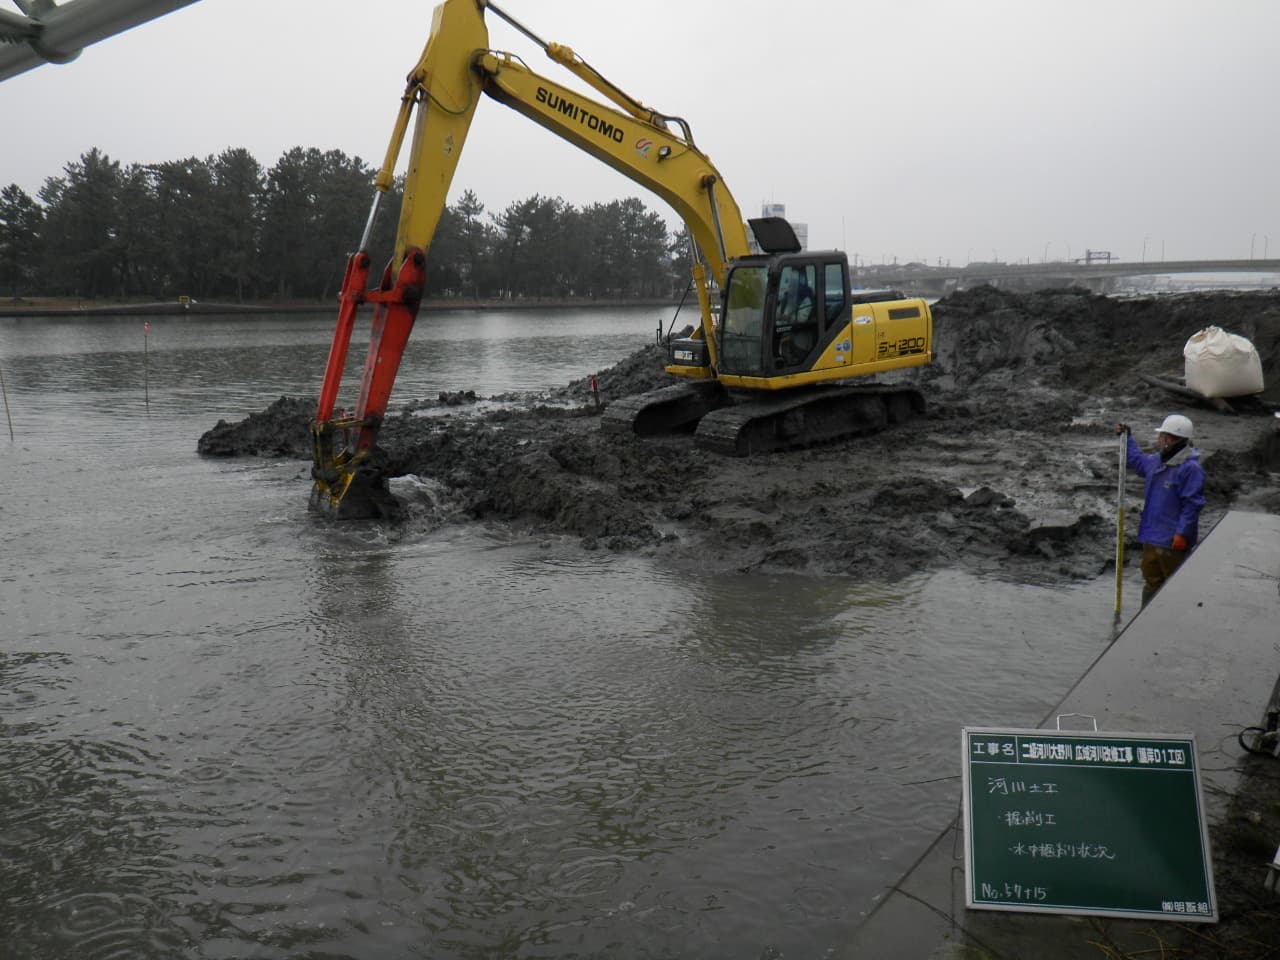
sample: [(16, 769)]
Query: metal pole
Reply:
[(5, 393), (368, 224), (1124, 453), (710, 183), (516, 23)]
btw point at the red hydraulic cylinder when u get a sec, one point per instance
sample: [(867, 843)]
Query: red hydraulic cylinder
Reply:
[(354, 282), (394, 316)]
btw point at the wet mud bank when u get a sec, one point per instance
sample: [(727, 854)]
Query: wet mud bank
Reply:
[(1012, 472)]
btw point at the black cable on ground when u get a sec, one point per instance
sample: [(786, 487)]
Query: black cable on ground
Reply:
[(1262, 733)]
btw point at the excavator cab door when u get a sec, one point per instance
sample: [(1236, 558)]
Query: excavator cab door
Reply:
[(796, 316)]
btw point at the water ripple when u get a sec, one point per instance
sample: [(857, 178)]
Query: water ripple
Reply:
[(583, 872)]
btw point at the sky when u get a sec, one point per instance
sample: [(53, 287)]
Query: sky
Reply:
[(943, 131)]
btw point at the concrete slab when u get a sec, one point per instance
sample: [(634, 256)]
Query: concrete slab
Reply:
[(1202, 658)]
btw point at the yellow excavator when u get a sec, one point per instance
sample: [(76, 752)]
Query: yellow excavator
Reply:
[(782, 334)]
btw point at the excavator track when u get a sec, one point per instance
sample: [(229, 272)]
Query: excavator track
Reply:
[(798, 420), (665, 410)]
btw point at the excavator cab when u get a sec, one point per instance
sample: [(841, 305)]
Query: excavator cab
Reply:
[(779, 311), (775, 308)]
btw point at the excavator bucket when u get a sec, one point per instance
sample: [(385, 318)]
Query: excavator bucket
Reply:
[(341, 488), (348, 483)]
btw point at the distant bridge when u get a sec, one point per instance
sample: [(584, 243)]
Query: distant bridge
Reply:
[(919, 278)]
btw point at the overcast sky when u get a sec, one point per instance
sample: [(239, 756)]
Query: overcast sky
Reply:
[(950, 130)]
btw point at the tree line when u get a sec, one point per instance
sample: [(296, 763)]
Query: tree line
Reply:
[(226, 228)]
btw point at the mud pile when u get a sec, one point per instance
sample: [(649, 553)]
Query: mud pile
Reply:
[(1013, 471)]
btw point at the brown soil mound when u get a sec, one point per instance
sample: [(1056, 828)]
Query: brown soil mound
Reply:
[(1012, 473)]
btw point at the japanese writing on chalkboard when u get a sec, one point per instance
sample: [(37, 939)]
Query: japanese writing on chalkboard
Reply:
[(1059, 751), (1108, 824)]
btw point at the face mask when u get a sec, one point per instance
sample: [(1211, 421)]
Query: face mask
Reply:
[(1172, 451)]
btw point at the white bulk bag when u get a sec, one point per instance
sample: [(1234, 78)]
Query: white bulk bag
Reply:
[(1221, 364)]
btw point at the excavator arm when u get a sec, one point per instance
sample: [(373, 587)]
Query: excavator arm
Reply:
[(440, 99)]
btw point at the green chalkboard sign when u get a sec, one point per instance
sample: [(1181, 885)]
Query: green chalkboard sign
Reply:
[(1089, 823)]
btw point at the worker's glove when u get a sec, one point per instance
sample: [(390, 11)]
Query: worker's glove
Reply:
[(1122, 428), (1180, 542)]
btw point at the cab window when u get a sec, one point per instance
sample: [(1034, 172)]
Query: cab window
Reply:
[(744, 310), (742, 326), (833, 292), (797, 301), (795, 328)]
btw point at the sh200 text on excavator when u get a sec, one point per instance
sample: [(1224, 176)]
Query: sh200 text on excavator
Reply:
[(782, 333)]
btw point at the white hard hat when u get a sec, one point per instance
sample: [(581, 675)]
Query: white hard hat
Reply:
[(1176, 424)]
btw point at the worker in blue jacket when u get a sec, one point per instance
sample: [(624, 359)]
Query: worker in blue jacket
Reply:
[(1174, 499)]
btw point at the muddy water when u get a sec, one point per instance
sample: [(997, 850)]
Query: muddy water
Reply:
[(227, 732)]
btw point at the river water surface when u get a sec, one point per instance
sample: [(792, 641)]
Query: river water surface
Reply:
[(229, 731)]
